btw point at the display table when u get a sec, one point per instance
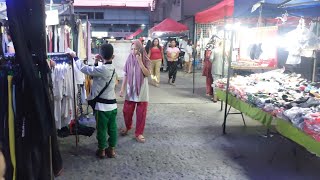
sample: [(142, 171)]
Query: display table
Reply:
[(247, 109), (252, 68), (285, 128)]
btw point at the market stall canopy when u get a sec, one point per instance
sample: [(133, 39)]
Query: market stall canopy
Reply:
[(250, 9), (131, 36), (168, 26), (219, 11)]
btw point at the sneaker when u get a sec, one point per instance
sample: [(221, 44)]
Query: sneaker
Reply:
[(173, 84)]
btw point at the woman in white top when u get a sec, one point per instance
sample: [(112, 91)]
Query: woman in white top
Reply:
[(188, 57)]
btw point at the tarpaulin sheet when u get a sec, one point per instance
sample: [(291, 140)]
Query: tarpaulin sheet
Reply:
[(169, 25), (270, 9)]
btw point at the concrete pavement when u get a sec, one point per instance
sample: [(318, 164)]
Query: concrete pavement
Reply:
[(184, 141)]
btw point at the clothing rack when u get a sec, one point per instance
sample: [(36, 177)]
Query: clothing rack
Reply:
[(66, 58)]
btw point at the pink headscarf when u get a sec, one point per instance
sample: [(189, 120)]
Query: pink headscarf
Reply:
[(132, 67)]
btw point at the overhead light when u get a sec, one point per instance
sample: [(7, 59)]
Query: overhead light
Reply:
[(52, 17), (159, 33), (99, 34), (112, 37), (143, 25)]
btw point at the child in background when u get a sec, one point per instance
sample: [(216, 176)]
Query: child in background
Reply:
[(106, 105)]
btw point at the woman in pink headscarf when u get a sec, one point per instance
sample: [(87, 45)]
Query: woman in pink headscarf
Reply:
[(135, 84)]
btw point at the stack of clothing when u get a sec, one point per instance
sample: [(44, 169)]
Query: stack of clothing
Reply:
[(286, 96)]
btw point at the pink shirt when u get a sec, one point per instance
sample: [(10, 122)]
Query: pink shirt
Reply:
[(172, 52)]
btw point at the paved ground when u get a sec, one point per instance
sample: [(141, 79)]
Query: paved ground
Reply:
[(185, 141)]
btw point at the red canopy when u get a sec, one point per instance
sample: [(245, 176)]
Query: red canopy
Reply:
[(219, 11), (169, 26), (131, 36)]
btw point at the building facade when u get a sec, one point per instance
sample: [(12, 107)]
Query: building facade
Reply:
[(180, 10), (115, 21)]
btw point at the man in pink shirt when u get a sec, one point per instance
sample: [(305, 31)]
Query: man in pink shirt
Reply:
[(172, 54)]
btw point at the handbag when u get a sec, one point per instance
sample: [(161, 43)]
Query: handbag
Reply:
[(94, 101)]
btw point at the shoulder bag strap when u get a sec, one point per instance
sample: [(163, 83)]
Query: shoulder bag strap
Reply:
[(106, 86)]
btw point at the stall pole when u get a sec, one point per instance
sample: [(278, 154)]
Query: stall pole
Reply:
[(194, 54), (228, 84), (71, 12), (224, 54)]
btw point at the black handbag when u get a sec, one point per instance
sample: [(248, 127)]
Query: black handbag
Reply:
[(94, 101)]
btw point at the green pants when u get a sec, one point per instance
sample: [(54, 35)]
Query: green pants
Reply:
[(106, 122)]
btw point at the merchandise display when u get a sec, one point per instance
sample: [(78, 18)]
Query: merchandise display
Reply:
[(285, 96)]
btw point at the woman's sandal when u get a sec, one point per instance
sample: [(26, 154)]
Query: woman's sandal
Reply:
[(140, 139), (111, 153), (101, 154), (124, 132)]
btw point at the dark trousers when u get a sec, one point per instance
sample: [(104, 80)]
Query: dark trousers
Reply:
[(173, 68)]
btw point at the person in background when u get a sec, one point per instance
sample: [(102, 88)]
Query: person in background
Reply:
[(188, 58), (10, 46), (183, 49), (106, 104), (216, 59), (156, 56), (173, 54), (165, 59), (148, 46), (207, 72), (135, 84)]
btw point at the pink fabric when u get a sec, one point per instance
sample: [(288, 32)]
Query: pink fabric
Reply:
[(141, 115), (133, 71), (50, 39)]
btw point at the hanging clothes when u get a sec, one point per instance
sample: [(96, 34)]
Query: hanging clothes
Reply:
[(62, 39), (63, 95), (50, 38), (89, 40), (55, 41), (11, 128), (81, 43)]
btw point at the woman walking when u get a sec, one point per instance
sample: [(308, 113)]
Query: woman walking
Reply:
[(188, 57), (156, 57), (173, 54), (135, 84)]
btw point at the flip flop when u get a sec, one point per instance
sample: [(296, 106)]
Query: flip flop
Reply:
[(140, 139), (110, 152), (124, 132), (101, 154)]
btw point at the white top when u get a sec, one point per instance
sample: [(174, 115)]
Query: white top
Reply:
[(78, 75), (183, 46), (101, 75)]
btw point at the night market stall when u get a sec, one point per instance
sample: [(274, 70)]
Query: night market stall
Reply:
[(281, 97)]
